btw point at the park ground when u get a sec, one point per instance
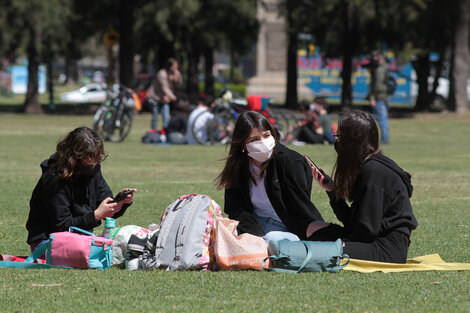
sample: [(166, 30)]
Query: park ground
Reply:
[(434, 148)]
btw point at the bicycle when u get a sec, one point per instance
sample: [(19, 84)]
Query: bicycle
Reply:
[(113, 119), (220, 120)]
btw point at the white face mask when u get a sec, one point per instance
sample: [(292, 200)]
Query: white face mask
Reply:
[(261, 150)]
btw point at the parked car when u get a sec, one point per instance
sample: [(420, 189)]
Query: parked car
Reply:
[(88, 93)]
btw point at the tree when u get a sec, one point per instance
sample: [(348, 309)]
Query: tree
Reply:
[(458, 101), (189, 29), (40, 26)]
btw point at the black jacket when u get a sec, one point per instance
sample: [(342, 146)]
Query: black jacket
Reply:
[(381, 203), (56, 204), (288, 185)]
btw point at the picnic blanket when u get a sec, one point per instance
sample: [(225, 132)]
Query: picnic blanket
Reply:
[(430, 262)]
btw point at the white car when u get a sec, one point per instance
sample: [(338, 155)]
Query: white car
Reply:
[(89, 93)]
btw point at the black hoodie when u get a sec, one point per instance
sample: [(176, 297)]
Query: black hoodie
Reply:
[(382, 204), (56, 204)]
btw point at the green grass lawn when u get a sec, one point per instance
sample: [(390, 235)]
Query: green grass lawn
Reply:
[(434, 148)]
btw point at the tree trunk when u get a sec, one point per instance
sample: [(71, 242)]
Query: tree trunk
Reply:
[(437, 74), (126, 44), (421, 66), (50, 81), (110, 79), (459, 75), (192, 86), (71, 70), (348, 48), (208, 73), (291, 88), (31, 103), (71, 57)]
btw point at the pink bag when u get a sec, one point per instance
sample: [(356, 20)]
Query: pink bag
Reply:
[(238, 252), (72, 250)]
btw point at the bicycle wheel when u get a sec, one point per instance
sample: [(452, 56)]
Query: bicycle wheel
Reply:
[(103, 121), (120, 128), (221, 128), (200, 127)]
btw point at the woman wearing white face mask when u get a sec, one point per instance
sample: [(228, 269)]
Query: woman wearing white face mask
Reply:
[(267, 185)]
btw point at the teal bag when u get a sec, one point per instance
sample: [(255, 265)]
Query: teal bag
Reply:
[(305, 256)]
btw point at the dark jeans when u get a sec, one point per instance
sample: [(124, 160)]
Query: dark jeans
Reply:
[(307, 135), (392, 248), (36, 245)]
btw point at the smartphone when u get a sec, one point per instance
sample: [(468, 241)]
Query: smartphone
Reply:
[(325, 180), (122, 195)]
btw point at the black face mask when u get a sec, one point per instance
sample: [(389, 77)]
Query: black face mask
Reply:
[(88, 170), (336, 144)]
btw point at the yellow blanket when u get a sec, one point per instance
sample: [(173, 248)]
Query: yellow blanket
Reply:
[(430, 262)]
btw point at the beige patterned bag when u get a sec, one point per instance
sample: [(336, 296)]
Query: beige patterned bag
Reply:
[(234, 252)]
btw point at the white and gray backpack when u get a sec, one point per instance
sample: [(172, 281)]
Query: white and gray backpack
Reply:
[(184, 241)]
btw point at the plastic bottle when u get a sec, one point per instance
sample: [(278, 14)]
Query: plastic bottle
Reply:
[(109, 224), (153, 227)]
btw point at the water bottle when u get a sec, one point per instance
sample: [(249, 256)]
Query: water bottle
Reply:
[(109, 224), (153, 227)]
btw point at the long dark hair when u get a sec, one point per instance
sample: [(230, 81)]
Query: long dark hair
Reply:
[(358, 138), (237, 159), (81, 143)]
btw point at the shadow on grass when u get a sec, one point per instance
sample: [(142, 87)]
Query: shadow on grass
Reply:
[(60, 108)]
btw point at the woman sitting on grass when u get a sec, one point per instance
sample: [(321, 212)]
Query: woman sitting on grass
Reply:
[(378, 224), (267, 185), (72, 190)]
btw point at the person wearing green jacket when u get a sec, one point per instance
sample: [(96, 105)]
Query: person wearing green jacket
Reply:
[(378, 96)]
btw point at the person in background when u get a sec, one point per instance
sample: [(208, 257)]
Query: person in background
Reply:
[(200, 126), (162, 92), (326, 129), (310, 127), (267, 185), (177, 127), (72, 190), (377, 94), (378, 223)]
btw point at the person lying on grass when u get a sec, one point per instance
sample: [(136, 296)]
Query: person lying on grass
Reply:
[(72, 191), (378, 223), (267, 185)]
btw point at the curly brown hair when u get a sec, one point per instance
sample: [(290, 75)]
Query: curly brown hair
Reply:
[(81, 143)]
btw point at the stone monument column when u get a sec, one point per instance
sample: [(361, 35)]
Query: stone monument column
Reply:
[(271, 55)]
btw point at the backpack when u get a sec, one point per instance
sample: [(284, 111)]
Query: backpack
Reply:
[(187, 229), (391, 84), (151, 137)]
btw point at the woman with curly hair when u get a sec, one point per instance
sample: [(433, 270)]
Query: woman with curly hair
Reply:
[(72, 190)]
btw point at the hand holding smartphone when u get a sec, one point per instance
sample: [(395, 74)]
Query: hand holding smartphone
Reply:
[(326, 181), (122, 195)]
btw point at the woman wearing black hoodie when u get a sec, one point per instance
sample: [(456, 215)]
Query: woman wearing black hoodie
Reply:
[(72, 191), (378, 223)]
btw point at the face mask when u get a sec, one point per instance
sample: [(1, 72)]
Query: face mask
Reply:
[(261, 150), (86, 169)]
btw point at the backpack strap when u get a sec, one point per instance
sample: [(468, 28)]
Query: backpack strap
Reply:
[(183, 230), (165, 227)]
